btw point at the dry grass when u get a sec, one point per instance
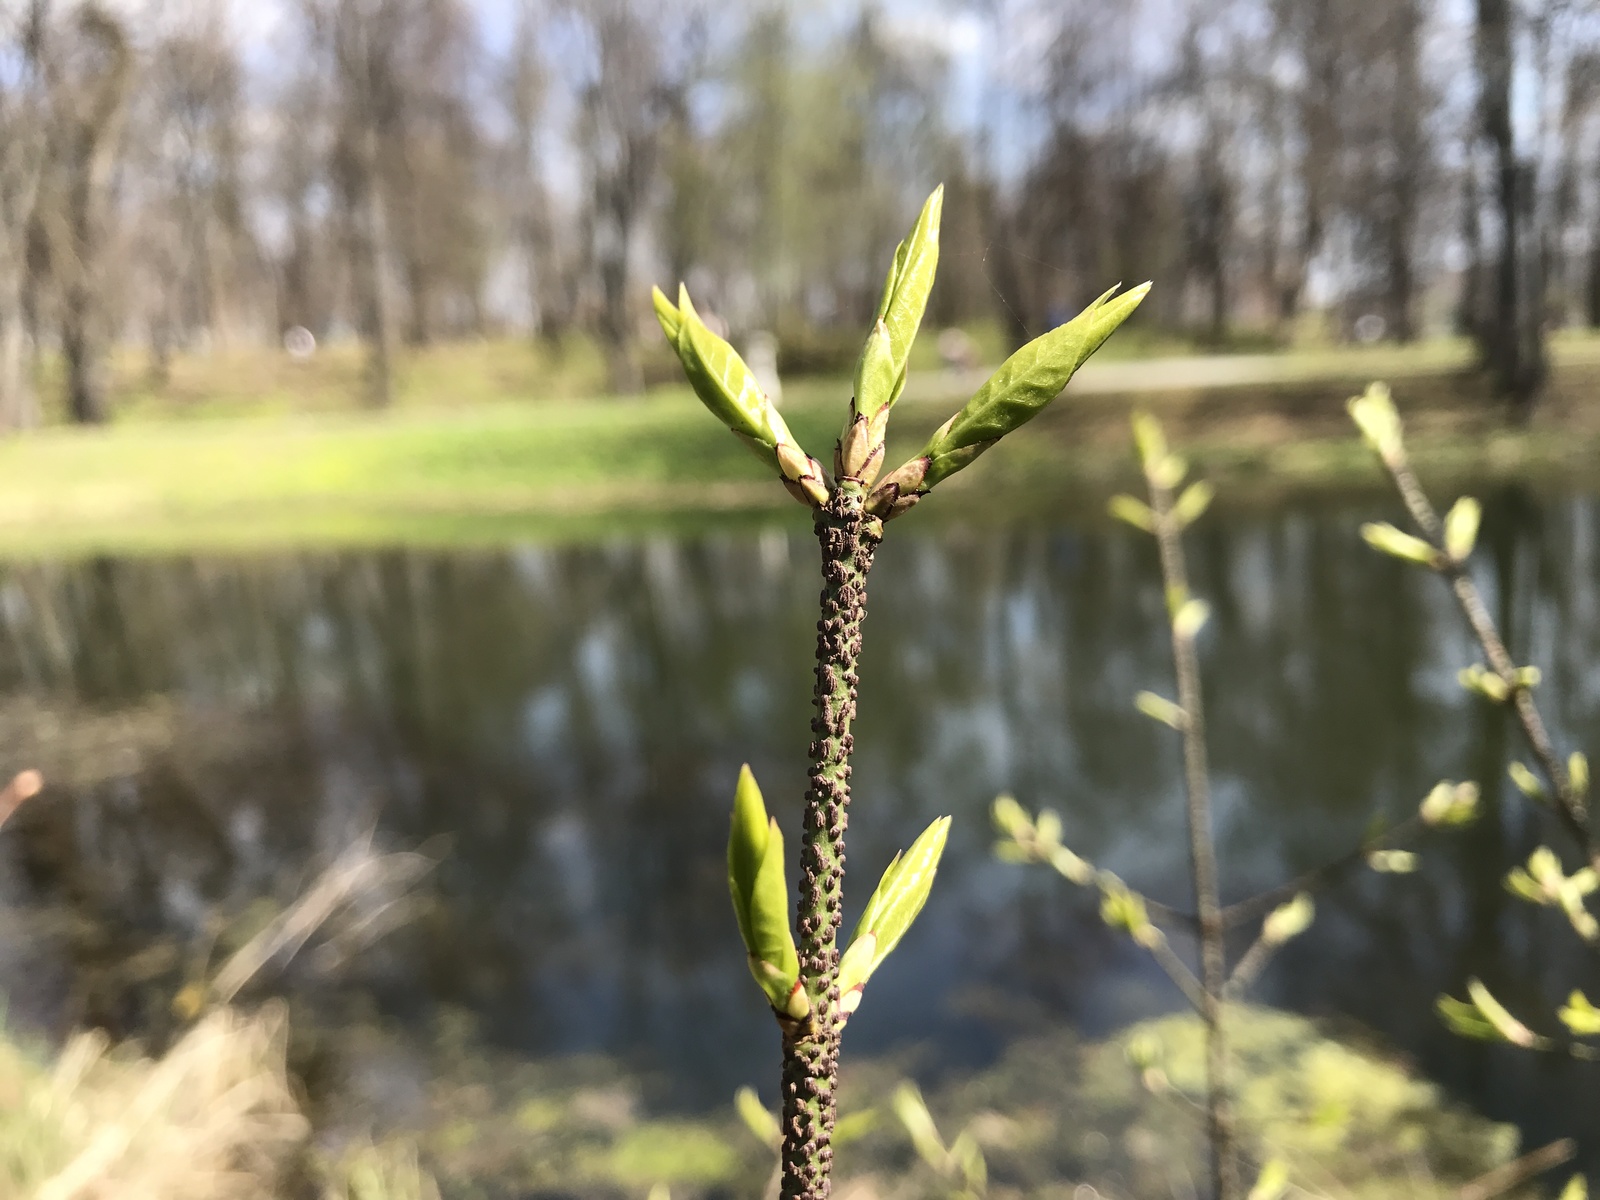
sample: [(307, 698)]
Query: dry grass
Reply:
[(212, 1119)]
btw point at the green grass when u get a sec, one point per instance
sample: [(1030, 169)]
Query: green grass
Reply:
[(494, 441)]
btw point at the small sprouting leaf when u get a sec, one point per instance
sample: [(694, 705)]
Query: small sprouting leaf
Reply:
[(1159, 708), (1381, 535), (1450, 804), (757, 1118), (899, 897), (1461, 528), (1190, 619), (1047, 828), (1010, 818), (913, 1113), (881, 373), (1374, 414), (1578, 774), (1392, 862), (1464, 1020), (1487, 683), (761, 898), (1288, 920), (1193, 502), (1529, 784), (1168, 472), (1124, 909), (1577, 1189), (1132, 510), (1024, 384), (1504, 1024), (1580, 1016), (1149, 438), (747, 847), (1529, 678)]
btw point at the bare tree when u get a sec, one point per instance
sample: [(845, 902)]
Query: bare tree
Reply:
[(92, 70), (23, 117)]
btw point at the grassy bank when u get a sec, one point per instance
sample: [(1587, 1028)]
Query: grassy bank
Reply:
[(463, 464)]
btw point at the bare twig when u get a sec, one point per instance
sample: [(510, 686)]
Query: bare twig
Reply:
[(1517, 1172)]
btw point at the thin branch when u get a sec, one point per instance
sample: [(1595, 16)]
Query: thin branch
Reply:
[(1259, 905), (1570, 807), (1517, 1172)]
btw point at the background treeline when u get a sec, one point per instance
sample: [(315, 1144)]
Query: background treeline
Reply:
[(180, 174)]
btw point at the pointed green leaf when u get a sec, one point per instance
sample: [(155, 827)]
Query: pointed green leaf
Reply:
[(1149, 439), (881, 372), (1504, 1024), (1132, 510), (899, 897), (1374, 414), (1461, 528), (1577, 1189), (1529, 784), (1010, 818), (1192, 504), (1024, 384), (721, 379), (1464, 1020), (757, 1118), (1159, 708), (747, 846), (1450, 804), (773, 959), (1381, 535), (1578, 773)]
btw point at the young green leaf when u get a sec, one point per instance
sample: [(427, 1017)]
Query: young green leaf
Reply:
[(1381, 535), (1580, 1017), (1374, 414), (1504, 1024), (1450, 804), (1134, 511), (1487, 683), (881, 371), (1577, 1189), (1461, 528), (1288, 920), (1529, 784), (1159, 708), (1010, 818), (1392, 862), (1024, 384), (899, 897), (1192, 503), (757, 1118), (761, 898), (1578, 773), (1191, 619), (727, 387)]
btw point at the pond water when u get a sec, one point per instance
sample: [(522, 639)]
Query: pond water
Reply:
[(562, 727)]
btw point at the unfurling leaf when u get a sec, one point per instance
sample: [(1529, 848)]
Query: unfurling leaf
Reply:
[(1578, 774), (1487, 683), (1450, 804), (1159, 708), (758, 1118), (1502, 1022), (761, 899), (1190, 619), (1192, 504), (1461, 528), (1392, 862), (881, 372), (1374, 414), (1529, 677), (1124, 909), (1529, 784), (1132, 510), (1381, 535), (899, 897), (1010, 818), (1577, 1189), (1149, 439), (727, 387), (1580, 1017), (1288, 920), (1024, 384)]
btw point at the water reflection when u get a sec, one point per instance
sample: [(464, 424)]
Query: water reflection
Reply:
[(571, 720)]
